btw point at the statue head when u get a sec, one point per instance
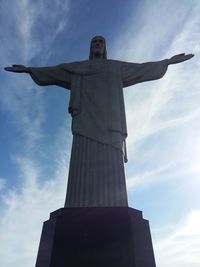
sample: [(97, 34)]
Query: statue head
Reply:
[(98, 48)]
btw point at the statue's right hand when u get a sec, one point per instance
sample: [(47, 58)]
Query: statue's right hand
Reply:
[(17, 68)]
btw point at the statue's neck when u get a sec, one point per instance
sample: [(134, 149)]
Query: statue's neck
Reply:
[(97, 56)]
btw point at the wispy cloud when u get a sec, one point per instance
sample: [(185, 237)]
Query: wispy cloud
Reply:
[(38, 190), (179, 244), (39, 19), (146, 178), (167, 107), (36, 25), (148, 107), (26, 106), (24, 210)]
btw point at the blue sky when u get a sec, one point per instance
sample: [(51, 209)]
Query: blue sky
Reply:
[(163, 172)]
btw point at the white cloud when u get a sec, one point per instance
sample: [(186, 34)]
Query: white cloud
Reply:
[(24, 210), (38, 191), (179, 245), (26, 104), (24, 36), (168, 107), (181, 26), (27, 107), (148, 177), (30, 29), (144, 117), (152, 28), (51, 19)]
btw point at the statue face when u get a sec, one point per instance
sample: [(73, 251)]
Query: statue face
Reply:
[(98, 46)]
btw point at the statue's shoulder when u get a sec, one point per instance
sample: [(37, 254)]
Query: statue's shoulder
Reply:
[(74, 63), (114, 61)]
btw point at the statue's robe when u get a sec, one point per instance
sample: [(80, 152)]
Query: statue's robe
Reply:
[(96, 176)]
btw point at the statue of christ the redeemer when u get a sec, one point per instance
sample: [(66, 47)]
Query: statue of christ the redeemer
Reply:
[(96, 174)]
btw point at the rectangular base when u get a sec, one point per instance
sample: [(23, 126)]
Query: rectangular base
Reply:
[(96, 237)]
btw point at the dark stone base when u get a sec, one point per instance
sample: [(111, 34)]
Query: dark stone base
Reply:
[(96, 237)]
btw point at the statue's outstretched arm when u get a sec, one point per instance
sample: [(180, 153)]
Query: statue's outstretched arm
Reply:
[(18, 68), (179, 58), (133, 73), (53, 75)]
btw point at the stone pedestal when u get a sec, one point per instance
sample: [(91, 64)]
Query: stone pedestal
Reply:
[(96, 237)]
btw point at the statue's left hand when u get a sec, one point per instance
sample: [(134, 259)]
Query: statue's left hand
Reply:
[(179, 58)]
